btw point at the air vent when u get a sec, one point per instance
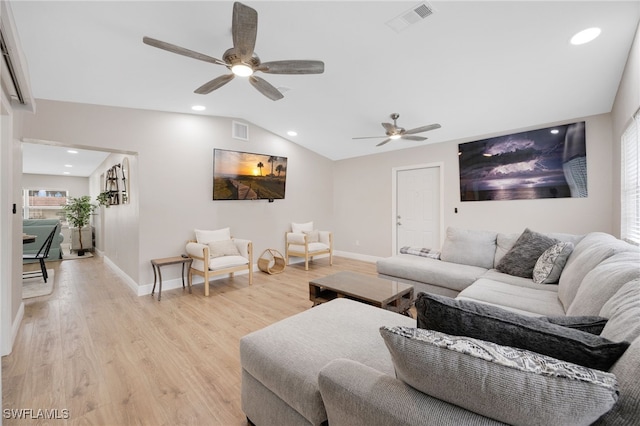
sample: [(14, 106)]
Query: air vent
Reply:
[(240, 131), (412, 16)]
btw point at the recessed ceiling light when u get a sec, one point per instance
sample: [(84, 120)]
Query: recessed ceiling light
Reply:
[(585, 36), (292, 133), (555, 131), (66, 173), (198, 107), (68, 165), (72, 151)]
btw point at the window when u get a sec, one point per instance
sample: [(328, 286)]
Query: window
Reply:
[(44, 204), (631, 182)]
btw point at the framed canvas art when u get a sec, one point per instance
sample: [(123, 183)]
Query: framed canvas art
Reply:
[(543, 163)]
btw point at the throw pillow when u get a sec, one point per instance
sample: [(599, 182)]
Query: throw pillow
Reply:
[(469, 247), (301, 227), (222, 248), (510, 385), (205, 237), (524, 254), (487, 322), (312, 236), (588, 324), (550, 264)]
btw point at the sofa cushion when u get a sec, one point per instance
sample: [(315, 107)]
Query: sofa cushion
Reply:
[(603, 281), (495, 275), (469, 247), (541, 300), (550, 264), (431, 271), (591, 250), (589, 324), (287, 356), (522, 257), (492, 380), (623, 311), (480, 321)]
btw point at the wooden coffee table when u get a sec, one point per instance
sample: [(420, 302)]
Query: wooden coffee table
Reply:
[(386, 294)]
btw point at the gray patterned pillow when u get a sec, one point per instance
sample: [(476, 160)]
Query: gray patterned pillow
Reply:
[(522, 258), (550, 264), (492, 380)]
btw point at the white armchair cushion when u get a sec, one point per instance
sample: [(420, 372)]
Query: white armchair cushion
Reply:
[(242, 246), (227, 262), (295, 238), (205, 237), (222, 248), (312, 236), (313, 247), (301, 227)]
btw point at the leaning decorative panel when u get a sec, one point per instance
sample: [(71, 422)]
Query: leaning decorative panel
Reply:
[(543, 163)]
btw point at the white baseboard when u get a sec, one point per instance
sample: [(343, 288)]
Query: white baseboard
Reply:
[(130, 282), (15, 327), (357, 256)]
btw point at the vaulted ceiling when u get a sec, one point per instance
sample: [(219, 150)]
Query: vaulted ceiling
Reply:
[(477, 67)]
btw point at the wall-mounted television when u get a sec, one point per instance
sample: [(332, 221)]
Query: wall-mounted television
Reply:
[(248, 176)]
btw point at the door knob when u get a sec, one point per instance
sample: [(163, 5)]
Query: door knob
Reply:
[(399, 224)]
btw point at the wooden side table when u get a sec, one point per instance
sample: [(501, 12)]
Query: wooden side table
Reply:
[(176, 260)]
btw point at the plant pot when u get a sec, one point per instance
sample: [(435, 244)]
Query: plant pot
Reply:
[(81, 252)]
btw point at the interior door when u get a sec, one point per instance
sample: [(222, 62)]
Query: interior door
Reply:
[(417, 212)]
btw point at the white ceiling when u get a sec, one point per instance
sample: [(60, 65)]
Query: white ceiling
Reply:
[(56, 160), (477, 67)]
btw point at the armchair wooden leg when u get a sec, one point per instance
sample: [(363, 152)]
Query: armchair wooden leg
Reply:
[(206, 283), (250, 274)]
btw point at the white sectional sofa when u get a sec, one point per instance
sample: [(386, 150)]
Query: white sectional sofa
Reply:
[(346, 363)]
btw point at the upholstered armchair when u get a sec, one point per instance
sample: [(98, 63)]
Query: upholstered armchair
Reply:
[(216, 252), (304, 241)]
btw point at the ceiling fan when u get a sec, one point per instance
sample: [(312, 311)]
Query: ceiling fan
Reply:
[(241, 59), (394, 132)]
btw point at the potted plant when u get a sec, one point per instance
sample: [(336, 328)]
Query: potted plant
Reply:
[(104, 198), (78, 211)]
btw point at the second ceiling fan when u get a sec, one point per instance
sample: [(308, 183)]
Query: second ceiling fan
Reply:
[(241, 59), (393, 131)]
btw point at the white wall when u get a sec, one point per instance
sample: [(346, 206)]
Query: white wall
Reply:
[(362, 195), (174, 174)]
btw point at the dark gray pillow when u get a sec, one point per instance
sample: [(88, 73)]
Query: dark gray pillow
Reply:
[(522, 257), (497, 325), (588, 324)]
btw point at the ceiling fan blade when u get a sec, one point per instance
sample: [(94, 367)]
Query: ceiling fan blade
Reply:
[(389, 127), (370, 137), (422, 129), (383, 142), (413, 138), (214, 84), (181, 50), (265, 88), (292, 67), (244, 29)]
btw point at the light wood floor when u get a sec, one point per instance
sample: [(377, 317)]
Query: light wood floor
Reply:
[(113, 358)]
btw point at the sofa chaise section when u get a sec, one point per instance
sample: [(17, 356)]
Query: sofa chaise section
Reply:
[(281, 363)]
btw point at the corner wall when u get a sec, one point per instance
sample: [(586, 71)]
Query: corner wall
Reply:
[(366, 217)]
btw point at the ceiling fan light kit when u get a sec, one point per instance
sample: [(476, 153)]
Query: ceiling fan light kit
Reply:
[(394, 132), (241, 60)]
